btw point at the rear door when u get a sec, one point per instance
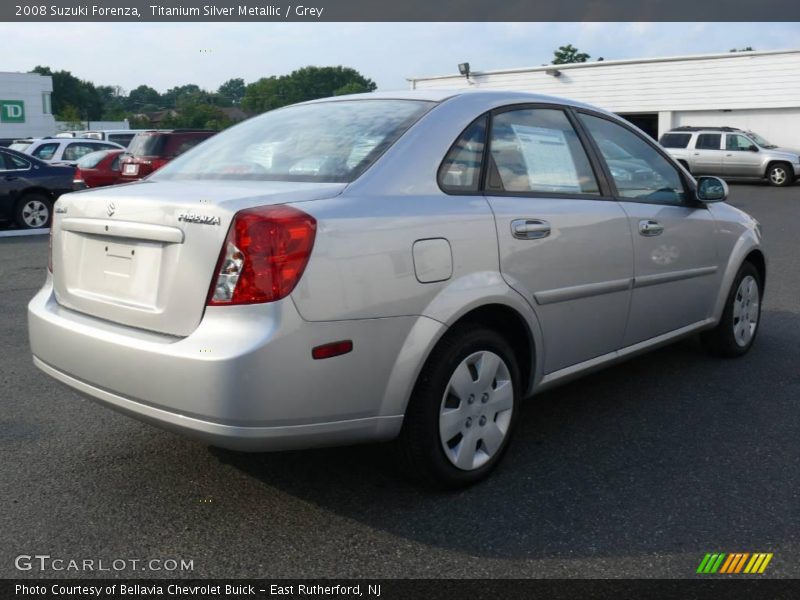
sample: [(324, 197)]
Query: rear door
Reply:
[(706, 158), (564, 244), (676, 273), (741, 158)]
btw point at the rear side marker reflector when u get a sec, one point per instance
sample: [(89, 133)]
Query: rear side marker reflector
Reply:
[(332, 349)]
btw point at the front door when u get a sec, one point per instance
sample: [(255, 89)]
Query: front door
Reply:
[(676, 267), (741, 157), (563, 245)]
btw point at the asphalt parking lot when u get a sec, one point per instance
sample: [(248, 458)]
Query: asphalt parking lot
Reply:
[(636, 471)]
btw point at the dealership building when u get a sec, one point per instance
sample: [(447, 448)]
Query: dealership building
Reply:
[(759, 91), (25, 108)]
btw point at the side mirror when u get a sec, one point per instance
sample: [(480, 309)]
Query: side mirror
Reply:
[(711, 189), (753, 148)]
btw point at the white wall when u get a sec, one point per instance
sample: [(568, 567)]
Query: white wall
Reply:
[(95, 125), (730, 81), (29, 88)]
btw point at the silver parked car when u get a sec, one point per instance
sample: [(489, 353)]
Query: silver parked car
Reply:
[(400, 265), (732, 153)]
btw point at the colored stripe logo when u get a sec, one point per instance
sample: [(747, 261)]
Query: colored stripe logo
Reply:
[(736, 562)]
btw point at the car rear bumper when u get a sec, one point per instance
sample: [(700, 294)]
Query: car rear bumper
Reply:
[(244, 379)]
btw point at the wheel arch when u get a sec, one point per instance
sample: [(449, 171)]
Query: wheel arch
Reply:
[(746, 249)]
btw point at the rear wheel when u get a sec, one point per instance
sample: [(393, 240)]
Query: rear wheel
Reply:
[(780, 174), (34, 211), (736, 331), (462, 411)]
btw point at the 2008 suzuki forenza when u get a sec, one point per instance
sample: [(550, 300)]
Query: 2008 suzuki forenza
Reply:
[(382, 266)]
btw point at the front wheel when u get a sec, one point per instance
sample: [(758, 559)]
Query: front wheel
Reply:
[(736, 331), (462, 411), (780, 174)]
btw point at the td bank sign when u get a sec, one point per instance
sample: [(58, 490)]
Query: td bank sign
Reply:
[(12, 111)]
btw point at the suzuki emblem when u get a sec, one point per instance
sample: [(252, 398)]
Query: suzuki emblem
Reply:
[(110, 208)]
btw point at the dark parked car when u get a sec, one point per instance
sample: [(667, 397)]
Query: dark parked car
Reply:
[(29, 187), (151, 150), (98, 169)]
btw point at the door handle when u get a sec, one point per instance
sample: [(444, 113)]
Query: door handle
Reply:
[(530, 229), (649, 228)]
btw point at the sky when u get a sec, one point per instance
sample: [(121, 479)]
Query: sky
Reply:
[(163, 55)]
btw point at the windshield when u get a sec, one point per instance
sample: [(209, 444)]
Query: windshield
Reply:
[(760, 140), (322, 142)]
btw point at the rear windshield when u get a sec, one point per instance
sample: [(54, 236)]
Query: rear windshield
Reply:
[(324, 142), (146, 144), (91, 160), (675, 140)]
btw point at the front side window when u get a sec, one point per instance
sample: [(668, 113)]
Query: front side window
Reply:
[(330, 142), (639, 171), (738, 143), (537, 150), (461, 170), (708, 141), (45, 151)]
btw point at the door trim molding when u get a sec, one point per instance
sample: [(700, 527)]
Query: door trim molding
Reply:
[(583, 291), (658, 278)]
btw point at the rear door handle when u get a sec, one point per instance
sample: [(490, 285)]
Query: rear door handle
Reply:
[(649, 228), (530, 229)]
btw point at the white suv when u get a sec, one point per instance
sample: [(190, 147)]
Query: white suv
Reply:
[(62, 150)]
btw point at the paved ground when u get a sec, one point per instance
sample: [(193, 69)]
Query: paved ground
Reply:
[(636, 471)]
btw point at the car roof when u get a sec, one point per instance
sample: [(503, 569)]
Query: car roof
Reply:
[(492, 97)]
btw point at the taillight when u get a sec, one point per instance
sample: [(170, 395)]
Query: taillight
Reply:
[(264, 255), (77, 177)]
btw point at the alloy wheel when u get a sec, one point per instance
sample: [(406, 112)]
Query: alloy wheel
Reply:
[(35, 213)]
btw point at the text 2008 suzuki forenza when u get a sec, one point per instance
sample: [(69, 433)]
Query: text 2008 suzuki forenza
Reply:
[(384, 266)]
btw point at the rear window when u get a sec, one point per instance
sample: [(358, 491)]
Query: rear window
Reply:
[(322, 142), (675, 140), (123, 139), (147, 144), (90, 161)]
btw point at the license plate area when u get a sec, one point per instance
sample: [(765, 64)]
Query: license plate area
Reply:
[(125, 272)]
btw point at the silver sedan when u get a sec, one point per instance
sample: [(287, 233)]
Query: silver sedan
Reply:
[(405, 266)]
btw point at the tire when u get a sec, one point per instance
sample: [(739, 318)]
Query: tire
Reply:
[(34, 211), (780, 174), (735, 333), (473, 376)]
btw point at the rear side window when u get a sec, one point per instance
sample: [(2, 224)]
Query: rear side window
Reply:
[(10, 162), (708, 141), (537, 150), (45, 151), (20, 146), (461, 170), (675, 140), (77, 150), (639, 171), (177, 144)]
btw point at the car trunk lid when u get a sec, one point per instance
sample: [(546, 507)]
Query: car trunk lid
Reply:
[(144, 254)]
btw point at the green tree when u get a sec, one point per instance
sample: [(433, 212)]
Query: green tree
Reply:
[(68, 90), (569, 54), (142, 96), (71, 116), (353, 87), (308, 83), (232, 91)]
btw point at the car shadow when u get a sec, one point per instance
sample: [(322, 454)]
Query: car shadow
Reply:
[(647, 456)]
